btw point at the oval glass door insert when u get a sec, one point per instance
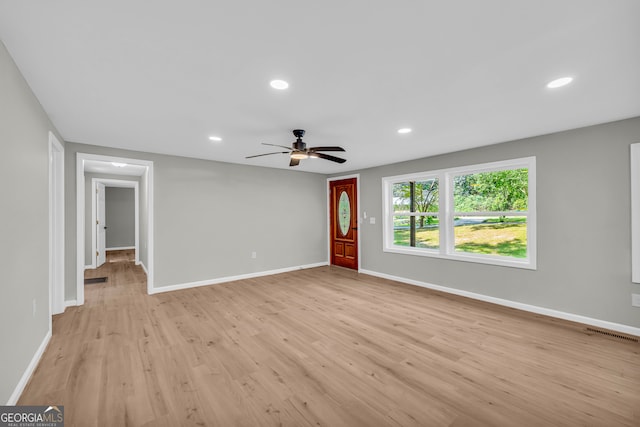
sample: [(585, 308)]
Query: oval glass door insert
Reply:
[(344, 213)]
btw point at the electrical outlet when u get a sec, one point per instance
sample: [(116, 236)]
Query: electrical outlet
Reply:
[(254, 255), (372, 220), (34, 307), (635, 300)]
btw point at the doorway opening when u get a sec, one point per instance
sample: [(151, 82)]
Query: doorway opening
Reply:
[(115, 218), (94, 171)]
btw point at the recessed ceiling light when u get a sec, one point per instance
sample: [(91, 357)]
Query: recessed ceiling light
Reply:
[(215, 138), (563, 81), (404, 130), (118, 165), (279, 84)]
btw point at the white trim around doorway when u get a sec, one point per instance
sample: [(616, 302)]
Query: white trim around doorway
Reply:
[(56, 227), (122, 184), (80, 218)]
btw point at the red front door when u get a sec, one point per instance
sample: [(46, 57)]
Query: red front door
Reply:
[(343, 209)]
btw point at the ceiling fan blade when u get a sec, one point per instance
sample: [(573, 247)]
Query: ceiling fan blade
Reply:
[(294, 162), (331, 148), (267, 154), (276, 145), (328, 157)]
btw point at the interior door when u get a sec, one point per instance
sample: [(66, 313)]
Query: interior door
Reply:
[(101, 225), (344, 222)]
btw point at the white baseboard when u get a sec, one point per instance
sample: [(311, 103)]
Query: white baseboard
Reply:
[(144, 267), (120, 248), (234, 278), (513, 304), (70, 303), (26, 376)]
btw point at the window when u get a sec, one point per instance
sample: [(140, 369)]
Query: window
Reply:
[(482, 213), (415, 213)]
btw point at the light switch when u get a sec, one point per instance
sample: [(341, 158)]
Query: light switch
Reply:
[(372, 220)]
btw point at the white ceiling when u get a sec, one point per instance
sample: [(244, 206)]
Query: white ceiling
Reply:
[(161, 76)]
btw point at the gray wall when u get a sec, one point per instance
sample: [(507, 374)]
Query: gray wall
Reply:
[(583, 214), (210, 216), (88, 246), (24, 224), (120, 216)]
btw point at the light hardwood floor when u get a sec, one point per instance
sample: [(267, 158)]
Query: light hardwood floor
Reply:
[(320, 347)]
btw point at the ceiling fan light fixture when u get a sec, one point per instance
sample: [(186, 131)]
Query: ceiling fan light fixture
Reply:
[(299, 155)]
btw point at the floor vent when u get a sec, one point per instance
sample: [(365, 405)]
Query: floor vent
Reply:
[(612, 334), (95, 280)]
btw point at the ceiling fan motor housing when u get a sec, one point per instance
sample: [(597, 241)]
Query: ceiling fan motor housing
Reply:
[(298, 145)]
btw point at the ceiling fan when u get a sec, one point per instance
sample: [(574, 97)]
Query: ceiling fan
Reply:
[(299, 151)]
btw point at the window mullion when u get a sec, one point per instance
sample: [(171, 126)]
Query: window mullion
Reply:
[(444, 196), (412, 218)]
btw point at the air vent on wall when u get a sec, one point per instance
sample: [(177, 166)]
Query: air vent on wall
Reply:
[(611, 334)]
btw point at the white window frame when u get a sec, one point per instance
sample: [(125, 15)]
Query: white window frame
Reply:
[(635, 212), (446, 214)]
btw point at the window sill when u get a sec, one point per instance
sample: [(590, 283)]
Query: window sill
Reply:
[(525, 263)]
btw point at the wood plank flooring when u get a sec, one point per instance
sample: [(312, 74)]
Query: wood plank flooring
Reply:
[(322, 348)]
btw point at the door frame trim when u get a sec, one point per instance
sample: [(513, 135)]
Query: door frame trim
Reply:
[(56, 226), (360, 222), (111, 183), (80, 218)]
